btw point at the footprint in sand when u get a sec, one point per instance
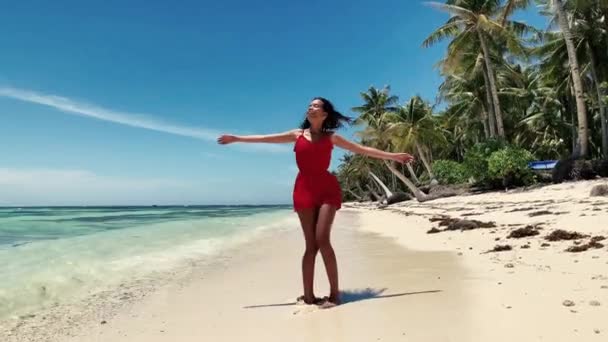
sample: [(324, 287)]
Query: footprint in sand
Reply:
[(304, 309)]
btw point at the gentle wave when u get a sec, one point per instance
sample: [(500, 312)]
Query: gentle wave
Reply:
[(68, 254)]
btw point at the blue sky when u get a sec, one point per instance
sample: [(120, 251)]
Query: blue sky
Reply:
[(104, 102)]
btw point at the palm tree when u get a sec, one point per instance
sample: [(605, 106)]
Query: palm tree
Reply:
[(581, 109), (473, 20), (465, 94), (587, 21), (376, 102), (414, 128)]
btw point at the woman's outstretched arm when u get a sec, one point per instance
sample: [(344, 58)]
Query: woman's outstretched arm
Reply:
[(370, 151), (277, 138)]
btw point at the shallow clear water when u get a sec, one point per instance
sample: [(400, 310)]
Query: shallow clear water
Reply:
[(49, 255)]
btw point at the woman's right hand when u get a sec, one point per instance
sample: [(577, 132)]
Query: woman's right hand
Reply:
[(226, 139)]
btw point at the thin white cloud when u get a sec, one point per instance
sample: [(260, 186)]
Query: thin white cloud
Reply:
[(130, 119)]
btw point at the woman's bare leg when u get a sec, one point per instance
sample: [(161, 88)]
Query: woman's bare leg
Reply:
[(324, 224), (308, 220)]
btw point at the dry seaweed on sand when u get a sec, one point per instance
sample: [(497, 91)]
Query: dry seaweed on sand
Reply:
[(521, 209), (584, 247), (545, 212), (523, 232), (460, 224), (500, 248), (560, 234), (452, 224), (469, 225)]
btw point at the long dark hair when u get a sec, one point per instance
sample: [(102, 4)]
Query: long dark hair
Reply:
[(334, 119)]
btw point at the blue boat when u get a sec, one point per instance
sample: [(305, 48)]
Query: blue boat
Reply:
[(542, 164)]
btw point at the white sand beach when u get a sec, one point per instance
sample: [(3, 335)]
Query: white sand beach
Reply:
[(399, 283)]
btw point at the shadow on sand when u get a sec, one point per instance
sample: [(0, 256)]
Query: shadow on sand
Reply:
[(351, 296)]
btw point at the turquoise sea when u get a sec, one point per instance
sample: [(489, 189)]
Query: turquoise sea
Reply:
[(49, 255)]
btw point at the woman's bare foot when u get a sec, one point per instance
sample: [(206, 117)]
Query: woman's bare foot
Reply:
[(335, 299), (314, 300), (330, 302)]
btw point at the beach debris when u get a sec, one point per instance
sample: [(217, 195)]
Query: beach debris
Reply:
[(452, 223), (594, 303), (560, 234), (581, 248), (568, 303), (103, 322), (521, 209), (497, 239), (544, 244), (470, 224), (599, 190), (597, 331), (519, 233), (439, 218), (509, 265), (525, 246), (542, 212), (500, 248), (604, 287)]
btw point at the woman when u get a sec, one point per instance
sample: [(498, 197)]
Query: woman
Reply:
[(316, 194)]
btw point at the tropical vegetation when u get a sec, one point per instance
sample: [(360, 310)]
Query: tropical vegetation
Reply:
[(510, 93)]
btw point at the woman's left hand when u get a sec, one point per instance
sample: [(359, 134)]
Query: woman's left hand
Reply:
[(403, 158)]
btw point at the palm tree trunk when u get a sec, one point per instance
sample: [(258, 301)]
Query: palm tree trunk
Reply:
[(384, 188), (420, 196), (352, 193), (600, 99), (412, 173), (425, 162), (581, 110), (374, 193), (571, 111), (497, 112), (361, 191), (491, 116), (484, 121)]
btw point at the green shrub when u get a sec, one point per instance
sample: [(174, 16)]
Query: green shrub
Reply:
[(476, 160), (510, 165), (449, 172)]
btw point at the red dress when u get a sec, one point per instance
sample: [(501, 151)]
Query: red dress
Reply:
[(314, 184)]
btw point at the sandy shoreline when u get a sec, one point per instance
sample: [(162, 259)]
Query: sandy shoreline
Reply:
[(399, 283), (538, 292)]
